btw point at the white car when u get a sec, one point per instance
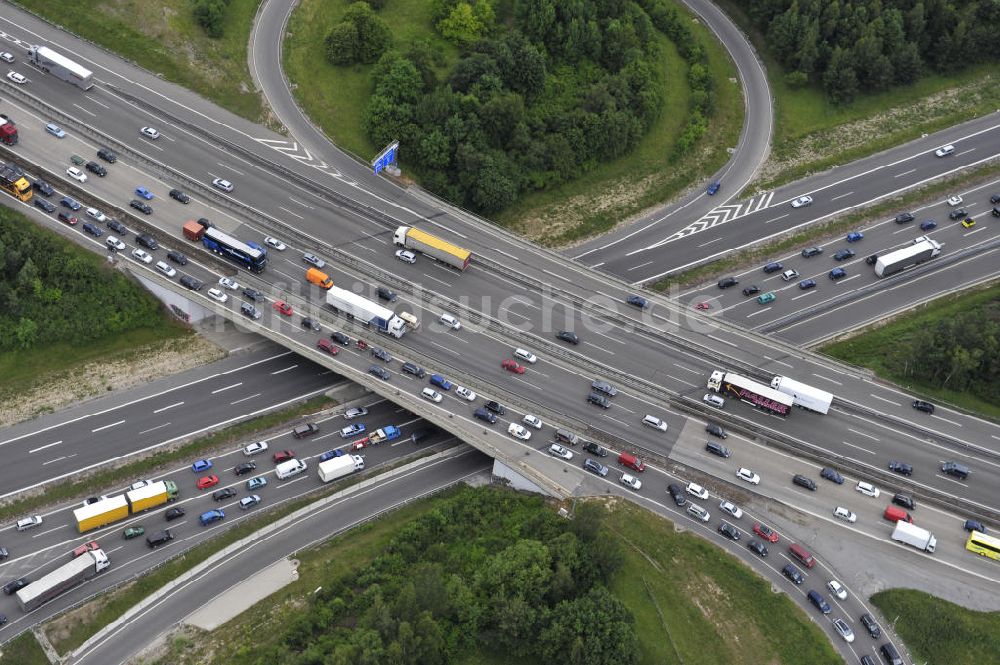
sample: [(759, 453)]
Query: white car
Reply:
[(837, 589), (655, 423), (694, 489), (532, 421), (451, 321), (255, 448), (698, 512), (789, 275), (525, 355), (249, 501), (7, 57), (516, 430), (631, 482), (229, 283), (141, 255), (355, 412), (76, 174), (802, 202), (747, 475), (406, 256), (94, 213), (149, 132), (944, 151), (165, 269), (275, 243), (216, 294), (114, 243), (844, 514), (26, 523), (432, 395), (843, 630), (867, 489), (224, 185), (20, 79), (714, 400), (731, 508), (465, 393), (560, 451), (955, 200)]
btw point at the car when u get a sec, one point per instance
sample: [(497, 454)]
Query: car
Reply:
[(210, 516), (567, 336), (406, 256), (792, 573), (274, 243), (224, 493), (20, 79), (789, 275), (44, 205), (944, 151), (696, 490), (968, 222), (868, 621), (525, 355), (807, 284), (637, 301), (249, 311), (149, 132), (310, 324), (249, 501), (837, 589), (412, 368), (380, 372), (731, 508), (178, 195), (714, 400), (304, 430), (55, 130), (716, 430), (14, 585), (802, 202), (595, 467), (189, 282), (159, 538), (698, 512), (843, 254), (832, 475), (132, 532), (748, 476), (96, 169), (765, 298), (871, 260), (445, 384), (381, 354), (282, 456), (958, 214), (867, 489), (256, 483), (450, 321), (327, 346), (713, 187), (954, 200), (703, 306), (599, 400), (855, 236), (96, 215), (654, 422), (107, 155), (677, 494), (514, 430), (255, 448), (244, 468), (512, 366), (7, 57), (844, 514), (751, 290), (141, 206), (224, 185), (804, 481), (76, 174), (43, 187), (631, 482), (928, 224), (355, 412), (144, 193), (31, 522), (174, 513), (484, 415), (595, 449), (207, 481), (560, 451), (843, 630), (141, 255), (773, 266), (603, 387), (532, 421), (340, 338), (282, 307), (901, 467), (179, 258), (974, 525), (147, 241), (904, 218), (837, 273), (432, 395), (314, 260), (904, 500), (810, 252), (71, 203), (765, 532), (385, 294), (496, 407), (921, 405), (201, 465), (218, 295), (819, 601), (727, 282), (995, 198)]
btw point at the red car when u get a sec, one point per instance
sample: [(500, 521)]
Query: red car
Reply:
[(282, 307), (283, 456), (701, 305), (765, 532), (327, 345), (207, 481), (86, 547), (68, 218), (512, 366)]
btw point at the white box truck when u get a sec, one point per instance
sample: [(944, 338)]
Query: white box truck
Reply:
[(59, 65), (914, 536), (922, 249), (365, 311), (292, 467), (803, 395), (62, 579), (338, 467)]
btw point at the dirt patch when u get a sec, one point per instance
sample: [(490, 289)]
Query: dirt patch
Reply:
[(59, 629)]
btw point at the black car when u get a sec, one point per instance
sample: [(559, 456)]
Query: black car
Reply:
[(811, 251), (418, 435), (381, 354), (568, 336), (901, 467), (159, 538), (252, 294), (958, 213), (599, 400), (178, 195), (141, 206), (843, 254), (832, 475), (386, 294), (93, 230), (70, 202), (729, 531), (44, 205), (43, 188), (117, 227), (340, 338), (804, 481), (604, 387), (380, 372), (484, 415), (191, 283), (995, 198), (774, 266), (244, 467), (871, 260), (717, 449), (904, 501), (727, 282), (147, 241), (792, 573), (174, 513), (751, 290), (638, 301), (677, 493), (309, 324), (415, 370), (904, 218), (757, 547), (14, 585), (96, 169), (177, 257), (4, 553), (595, 449), (970, 525), (716, 430), (926, 407), (224, 493), (868, 621), (107, 155), (496, 407)]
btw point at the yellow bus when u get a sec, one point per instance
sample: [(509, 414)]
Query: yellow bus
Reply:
[(980, 543)]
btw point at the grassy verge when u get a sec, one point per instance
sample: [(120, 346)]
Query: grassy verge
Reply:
[(162, 36), (23, 650), (882, 348), (937, 631)]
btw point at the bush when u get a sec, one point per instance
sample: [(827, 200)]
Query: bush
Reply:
[(360, 37), (210, 15)]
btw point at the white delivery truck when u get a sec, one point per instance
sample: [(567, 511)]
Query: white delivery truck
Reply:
[(62, 579), (292, 467), (803, 395), (338, 467), (914, 536), (922, 249), (365, 311), (59, 65)]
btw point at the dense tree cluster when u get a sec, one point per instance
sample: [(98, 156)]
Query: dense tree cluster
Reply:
[(52, 291), (361, 36), (486, 569), (210, 15), (850, 46)]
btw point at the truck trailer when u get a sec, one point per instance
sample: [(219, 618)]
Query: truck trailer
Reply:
[(13, 182), (432, 246), (151, 496), (338, 467), (114, 508), (803, 395), (59, 65), (914, 536), (8, 130), (752, 392), (365, 311), (62, 579), (921, 250)]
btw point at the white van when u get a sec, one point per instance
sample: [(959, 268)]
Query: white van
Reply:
[(292, 467), (411, 321), (525, 355)]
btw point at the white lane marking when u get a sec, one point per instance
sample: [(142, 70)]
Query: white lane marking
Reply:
[(244, 399), (841, 196), (779, 217), (48, 445), (952, 422), (280, 371), (107, 426), (885, 400), (641, 265), (293, 214), (864, 450), (153, 429), (219, 390), (826, 378), (705, 243), (900, 175), (168, 407), (864, 434)]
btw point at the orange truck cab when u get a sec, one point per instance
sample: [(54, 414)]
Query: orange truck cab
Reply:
[(631, 461), (319, 278)]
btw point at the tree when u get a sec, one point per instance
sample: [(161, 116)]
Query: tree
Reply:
[(466, 24), (840, 79), (374, 36), (595, 629), (341, 45), (210, 15)]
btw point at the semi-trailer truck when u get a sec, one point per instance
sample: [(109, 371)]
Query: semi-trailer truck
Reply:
[(750, 391), (365, 311), (114, 508), (13, 182), (921, 250), (8, 130), (803, 395), (914, 536), (432, 246), (62, 579), (338, 467), (59, 65)]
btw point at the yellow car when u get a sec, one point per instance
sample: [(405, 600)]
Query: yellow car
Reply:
[(968, 222)]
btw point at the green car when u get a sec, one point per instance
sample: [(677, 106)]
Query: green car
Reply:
[(765, 298), (133, 532)]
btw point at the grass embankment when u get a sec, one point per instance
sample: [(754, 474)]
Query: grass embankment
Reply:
[(23, 650), (883, 348), (937, 631), (162, 36)]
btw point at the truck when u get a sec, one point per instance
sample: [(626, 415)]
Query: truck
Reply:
[(13, 182), (8, 130), (338, 467), (752, 392), (249, 254), (193, 230), (105, 511), (59, 65), (387, 433), (914, 536), (151, 496), (432, 246), (319, 278), (921, 250), (289, 468), (365, 311), (62, 579), (803, 395)]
